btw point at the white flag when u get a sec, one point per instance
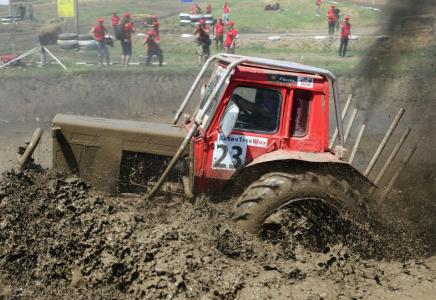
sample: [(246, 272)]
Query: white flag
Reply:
[(5, 2)]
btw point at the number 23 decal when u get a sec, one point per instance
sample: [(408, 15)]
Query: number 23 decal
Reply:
[(228, 156)]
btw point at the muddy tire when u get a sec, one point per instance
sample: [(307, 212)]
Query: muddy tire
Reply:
[(274, 192)]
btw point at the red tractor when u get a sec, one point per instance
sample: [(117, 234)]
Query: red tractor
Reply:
[(259, 132)]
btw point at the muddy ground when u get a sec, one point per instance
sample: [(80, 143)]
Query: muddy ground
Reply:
[(59, 240)]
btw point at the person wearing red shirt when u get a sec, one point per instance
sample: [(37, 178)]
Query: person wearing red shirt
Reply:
[(193, 10), (197, 8), (318, 6), (331, 21), (153, 47), (230, 42), (226, 9), (208, 9), (203, 41), (155, 26), (219, 32), (345, 36), (98, 33), (115, 19), (126, 44)]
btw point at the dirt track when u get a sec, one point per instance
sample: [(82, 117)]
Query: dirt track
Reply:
[(58, 240)]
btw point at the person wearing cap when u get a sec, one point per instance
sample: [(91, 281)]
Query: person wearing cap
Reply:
[(98, 33), (126, 44), (226, 9), (115, 20), (153, 47), (219, 32), (345, 36), (230, 42), (318, 6), (197, 9), (155, 26), (203, 41), (331, 21), (208, 8)]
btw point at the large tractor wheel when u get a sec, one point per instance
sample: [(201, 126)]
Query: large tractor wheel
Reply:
[(303, 205)]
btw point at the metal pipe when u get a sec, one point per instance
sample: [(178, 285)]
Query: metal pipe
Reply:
[(54, 57), (384, 142), (350, 125), (395, 178), (192, 90), (356, 145), (393, 154), (174, 160), (21, 56), (31, 147), (344, 113)]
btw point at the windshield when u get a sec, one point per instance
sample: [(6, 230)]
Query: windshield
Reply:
[(214, 79)]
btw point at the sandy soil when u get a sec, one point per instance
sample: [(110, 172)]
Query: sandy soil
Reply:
[(59, 240)]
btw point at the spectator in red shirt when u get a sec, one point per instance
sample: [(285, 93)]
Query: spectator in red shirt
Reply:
[(226, 9), (318, 6), (331, 21), (115, 19), (345, 36), (153, 47), (126, 44), (208, 9), (155, 26), (193, 10), (203, 41), (197, 8), (230, 42), (98, 33), (219, 32)]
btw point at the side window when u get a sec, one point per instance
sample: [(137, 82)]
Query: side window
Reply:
[(259, 109), (300, 113)]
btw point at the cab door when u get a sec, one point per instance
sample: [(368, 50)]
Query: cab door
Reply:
[(256, 132)]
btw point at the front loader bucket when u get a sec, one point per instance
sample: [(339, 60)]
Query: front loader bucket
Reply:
[(92, 148)]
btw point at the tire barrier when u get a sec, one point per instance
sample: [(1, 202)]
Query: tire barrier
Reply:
[(85, 37), (382, 38), (68, 36), (196, 17), (184, 16), (184, 22), (68, 42), (208, 17)]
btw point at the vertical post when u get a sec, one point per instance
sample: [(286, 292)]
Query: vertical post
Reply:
[(76, 8), (344, 112), (384, 142), (43, 57), (10, 7), (347, 132), (13, 43), (356, 145)]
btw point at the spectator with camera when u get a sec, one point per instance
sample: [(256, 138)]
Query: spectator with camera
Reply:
[(98, 33), (153, 47), (203, 41)]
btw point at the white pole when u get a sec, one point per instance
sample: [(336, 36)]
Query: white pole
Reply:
[(10, 7)]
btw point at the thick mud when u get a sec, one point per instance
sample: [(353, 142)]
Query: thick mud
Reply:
[(57, 240)]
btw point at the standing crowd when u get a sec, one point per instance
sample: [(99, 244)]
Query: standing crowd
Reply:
[(204, 32), (123, 29), (223, 31)]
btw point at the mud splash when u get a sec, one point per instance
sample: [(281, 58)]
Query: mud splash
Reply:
[(58, 239)]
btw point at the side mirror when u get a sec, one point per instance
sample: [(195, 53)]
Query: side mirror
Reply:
[(203, 88), (229, 120)]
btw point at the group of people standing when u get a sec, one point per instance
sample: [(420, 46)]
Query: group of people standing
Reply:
[(204, 40), (334, 20), (226, 8), (99, 32)]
